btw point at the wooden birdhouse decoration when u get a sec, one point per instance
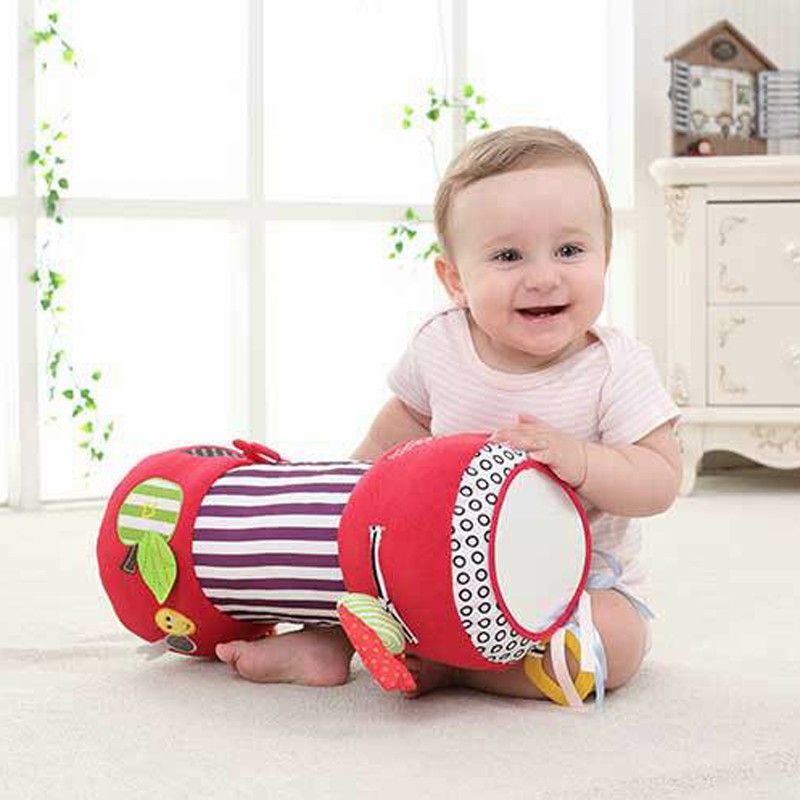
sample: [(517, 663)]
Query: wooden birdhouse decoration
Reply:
[(728, 98)]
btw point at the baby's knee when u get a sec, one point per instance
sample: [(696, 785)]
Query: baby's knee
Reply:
[(624, 635)]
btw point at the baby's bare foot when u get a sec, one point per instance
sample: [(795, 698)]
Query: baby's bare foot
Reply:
[(311, 657), (429, 675)]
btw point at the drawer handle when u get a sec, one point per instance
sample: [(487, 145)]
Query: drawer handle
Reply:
[(727, 385), (726, 226), (726, 284), (792, 254), (728, 327), (793, 356)]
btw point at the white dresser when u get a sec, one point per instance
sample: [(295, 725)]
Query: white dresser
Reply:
[(734, 305)]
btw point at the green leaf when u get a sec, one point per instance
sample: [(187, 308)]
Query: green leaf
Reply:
[(411, 214), (87, 427), (432, 249), (33, 157), (157, 565), (408, 111), (34, 277), (77, 410), (56, 361), (469, 90), (63, 183), (480, 99), (398, 246), (96, 375), (68, 393), (406, 124), (53, 17), (433, 114)]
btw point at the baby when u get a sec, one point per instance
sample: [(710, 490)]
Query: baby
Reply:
[(524, 222)]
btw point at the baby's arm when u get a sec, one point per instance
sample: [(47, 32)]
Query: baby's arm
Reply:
[(395, 423), (634, 480), (629, 480)]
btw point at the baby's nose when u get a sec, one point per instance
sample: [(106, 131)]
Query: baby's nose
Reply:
[(541, 275)]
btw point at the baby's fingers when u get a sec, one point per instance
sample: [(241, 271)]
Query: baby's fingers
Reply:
[(544, 456), (522, 440)]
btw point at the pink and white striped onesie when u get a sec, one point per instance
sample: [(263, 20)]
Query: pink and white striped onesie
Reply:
[(609, 393)]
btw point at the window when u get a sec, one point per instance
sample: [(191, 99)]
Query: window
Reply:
[(234, 172), (568, 68), (9, 156), (7, 296), (333, 131), (343, 313), (161, 319), (165, 104)]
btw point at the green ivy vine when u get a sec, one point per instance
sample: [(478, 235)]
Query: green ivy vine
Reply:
[(470, 104), (65, 384)]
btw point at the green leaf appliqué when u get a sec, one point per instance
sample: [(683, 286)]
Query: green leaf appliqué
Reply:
[(157, 565)]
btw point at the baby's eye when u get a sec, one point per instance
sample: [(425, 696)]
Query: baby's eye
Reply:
[(508, 255), (570, 250)]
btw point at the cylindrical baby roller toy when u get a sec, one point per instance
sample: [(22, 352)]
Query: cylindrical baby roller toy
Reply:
[(457, 549)]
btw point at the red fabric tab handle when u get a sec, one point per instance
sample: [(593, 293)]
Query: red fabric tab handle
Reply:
[(258, 453)]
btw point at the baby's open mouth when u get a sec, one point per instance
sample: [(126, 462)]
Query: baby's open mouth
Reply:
[(539, 312)]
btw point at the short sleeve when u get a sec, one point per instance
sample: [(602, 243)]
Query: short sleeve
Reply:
[(406, 380), (633, 400)]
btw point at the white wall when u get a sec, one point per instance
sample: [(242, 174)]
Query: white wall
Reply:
[(661, 26)]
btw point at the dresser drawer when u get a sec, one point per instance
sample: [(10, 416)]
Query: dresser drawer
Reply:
[(754, 252), (754, 355)]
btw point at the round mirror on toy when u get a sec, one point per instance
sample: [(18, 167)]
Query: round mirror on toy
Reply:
[(460, 550)]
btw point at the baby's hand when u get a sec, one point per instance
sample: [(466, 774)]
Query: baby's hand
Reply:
[(564, 454)]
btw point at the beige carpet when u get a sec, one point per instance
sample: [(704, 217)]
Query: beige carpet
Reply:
[(715, 713)]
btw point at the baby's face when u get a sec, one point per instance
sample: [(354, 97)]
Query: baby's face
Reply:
[(528, 261)]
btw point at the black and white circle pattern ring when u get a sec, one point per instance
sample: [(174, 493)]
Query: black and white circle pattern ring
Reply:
[(480, 615)]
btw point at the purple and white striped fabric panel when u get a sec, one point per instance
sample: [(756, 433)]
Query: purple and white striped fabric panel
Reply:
[(265, 541)]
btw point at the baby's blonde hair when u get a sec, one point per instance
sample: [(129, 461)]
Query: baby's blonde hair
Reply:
[(507, 150)]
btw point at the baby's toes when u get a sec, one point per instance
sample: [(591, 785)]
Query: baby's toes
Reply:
[(228, 652)]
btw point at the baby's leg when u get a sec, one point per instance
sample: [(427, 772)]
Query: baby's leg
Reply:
[(311, 657), (622, 630)]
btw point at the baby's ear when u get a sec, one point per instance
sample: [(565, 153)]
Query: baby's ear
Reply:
[(451, 280)]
